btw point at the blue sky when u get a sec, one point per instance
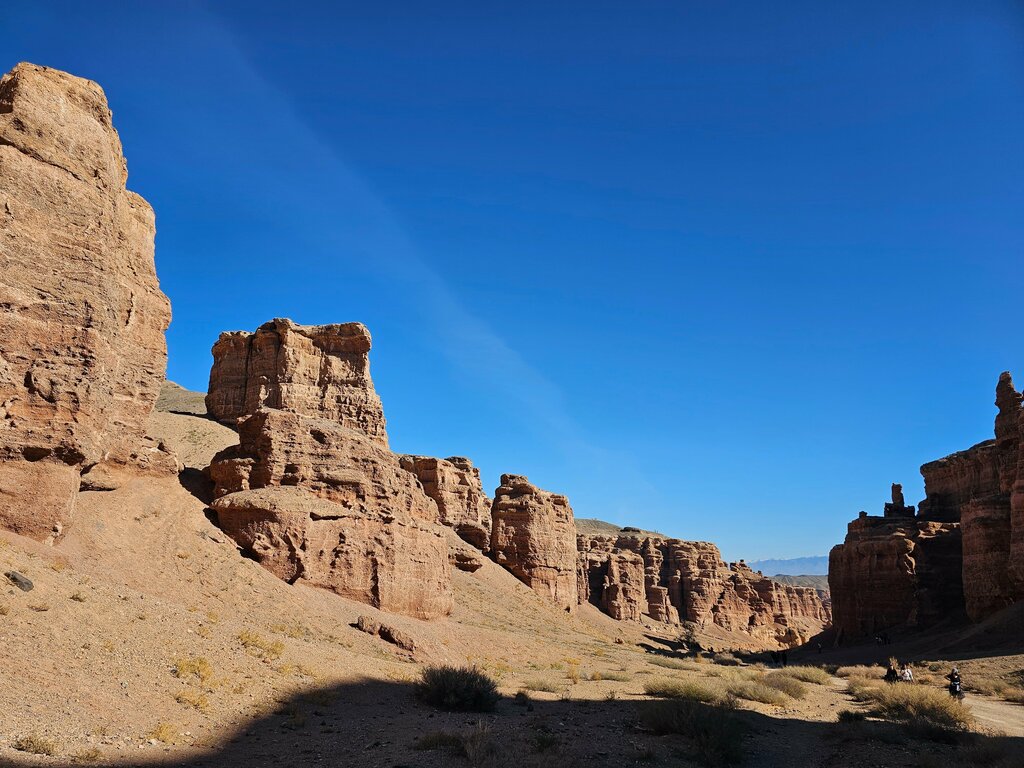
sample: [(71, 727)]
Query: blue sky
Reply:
[(722, 269)]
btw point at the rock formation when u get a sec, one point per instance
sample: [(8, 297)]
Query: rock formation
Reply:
[(958, 557), (83, 317), (673, 580), (320, 371), (322, 499), (454, 484), (534, 537)]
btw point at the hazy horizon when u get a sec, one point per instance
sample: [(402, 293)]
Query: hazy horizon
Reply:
[(725, 272)]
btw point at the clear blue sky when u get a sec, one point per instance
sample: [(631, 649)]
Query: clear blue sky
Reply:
[(723, 269)]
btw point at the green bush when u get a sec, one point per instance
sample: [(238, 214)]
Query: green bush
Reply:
[(681, 689), (461, 689), (716, 733)]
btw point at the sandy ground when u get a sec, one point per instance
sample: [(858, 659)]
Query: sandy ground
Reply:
[(148, 640)]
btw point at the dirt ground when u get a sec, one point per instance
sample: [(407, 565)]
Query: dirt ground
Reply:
[(148, 640)]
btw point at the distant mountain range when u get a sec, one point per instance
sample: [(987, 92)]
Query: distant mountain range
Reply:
[(796, 566)]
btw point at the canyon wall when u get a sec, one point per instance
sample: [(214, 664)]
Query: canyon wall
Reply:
[(672, 580), (958, 557), (533, 536), (83, 317), (311, 491)]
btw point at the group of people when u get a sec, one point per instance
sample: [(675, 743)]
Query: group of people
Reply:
[(904, 674)]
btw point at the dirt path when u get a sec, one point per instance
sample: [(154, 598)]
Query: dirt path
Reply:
[(997, 715)]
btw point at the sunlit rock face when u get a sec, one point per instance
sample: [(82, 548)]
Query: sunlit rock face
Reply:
[(960, 556), (312, 491), (82, 316), (671, 580)]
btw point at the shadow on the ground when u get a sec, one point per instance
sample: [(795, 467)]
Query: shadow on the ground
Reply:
[(379, 723)]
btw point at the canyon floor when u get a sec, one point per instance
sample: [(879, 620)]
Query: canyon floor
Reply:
[(149, 640)]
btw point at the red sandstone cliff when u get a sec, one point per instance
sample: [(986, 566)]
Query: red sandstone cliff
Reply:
[(83, 316), (958, 556), (672, 580)]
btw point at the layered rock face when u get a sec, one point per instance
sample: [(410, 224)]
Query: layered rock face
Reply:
[(83, 317), (454, 485), (533, 535), (687, 581), (320, 371), (958, 556), (323, 500)]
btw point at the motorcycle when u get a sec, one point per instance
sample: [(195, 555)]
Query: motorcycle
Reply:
[(956, 690)]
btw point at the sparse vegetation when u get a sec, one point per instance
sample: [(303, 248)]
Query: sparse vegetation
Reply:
[(258, 646), (752, 690), (35, 744), (540, 684), (726, 660), (907, 702), (681, 689), (851, 716), (618, 677), (78, 597), (3, 609), (439, 740), (788, 685), (544, 742), (464, 689), (91, 755), (164, 733), (659, 661), (806, 674), (194, 699), (715, 731), (195, 667)]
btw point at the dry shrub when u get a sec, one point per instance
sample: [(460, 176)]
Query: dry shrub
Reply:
[(618, 677), (195, 667), (716, 733), (194, 699), (788, 685), (165, 733), (910, 703), (859, 670), (446, 740), (91, 755), (540, 684), (681, 689), (863, 688), (726, 660), (260, 647), (755, 691), (806, 674), (668, 663), (35, 744), (851, 716), (463, 689)]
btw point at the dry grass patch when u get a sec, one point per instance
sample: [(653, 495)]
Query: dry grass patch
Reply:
[(668, 663), (462, 689), (194, 699), (258, 646), (788, 685), (751, 690), (911, 703), (164, 733), (618, 677), (681, 689), (539, 684), (714, 731), (194, 667), (806, 674), (35, 744), (859, 670)]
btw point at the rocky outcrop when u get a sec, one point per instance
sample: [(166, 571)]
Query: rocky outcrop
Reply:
[(323, 500), (958, 556), (320, 371), (534, 537), (672, 580), (454, 485), (83, 318)]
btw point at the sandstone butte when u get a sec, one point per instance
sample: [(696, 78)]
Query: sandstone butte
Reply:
[(83, 316), (312, 490), (957, 557)]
